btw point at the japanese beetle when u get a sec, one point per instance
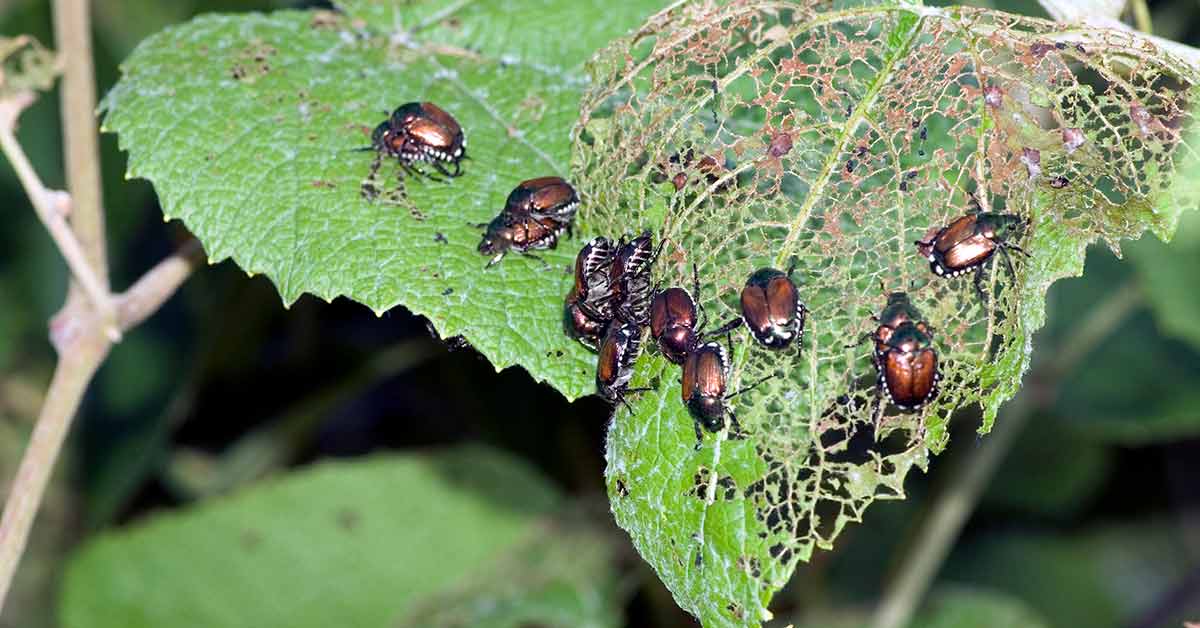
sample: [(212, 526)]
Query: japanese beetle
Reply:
[(589, 305), (422, 131), (702, 385), (907, 364), (614, 366), (673, 322), (899, 310), (968, 242), (630, 278), (545, 197), (903, 355), (523, 236), (772, 309)]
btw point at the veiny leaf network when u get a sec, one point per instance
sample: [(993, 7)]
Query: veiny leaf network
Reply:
[(840, 135)]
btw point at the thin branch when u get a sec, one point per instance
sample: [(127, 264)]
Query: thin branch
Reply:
[(955, 504), (1141, 16), (81, 144), (71, 377), (50, 209), (146, 295), (80, 354)]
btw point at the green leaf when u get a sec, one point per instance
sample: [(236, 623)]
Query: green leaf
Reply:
[(564, 577), (1097, 577), (890, 136), (1168, 278), (962, 607), (339, 544), (1121, 393), (245, 125)]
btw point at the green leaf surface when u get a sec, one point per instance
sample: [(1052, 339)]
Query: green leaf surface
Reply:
[(1169, 279), (245, 124), (843, 135), (563, 577), (340, 544), (1099, 577)]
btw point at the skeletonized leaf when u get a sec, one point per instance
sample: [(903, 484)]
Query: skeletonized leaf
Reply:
[(845, 133)]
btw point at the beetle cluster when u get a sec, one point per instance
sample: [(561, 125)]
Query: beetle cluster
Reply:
[(608, 307), (535, 215), (611, 300), (904, 356)]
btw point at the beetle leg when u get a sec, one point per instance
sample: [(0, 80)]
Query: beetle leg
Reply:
[(864, 337), (722, 330), (1008, 262), (699, 434), (495, 260), (735, 428), (979, 284), (751, 386), (437, 165), (545, 265), (877, 410)]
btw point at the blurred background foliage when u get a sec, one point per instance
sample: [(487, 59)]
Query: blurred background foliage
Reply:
[(1093, 519)]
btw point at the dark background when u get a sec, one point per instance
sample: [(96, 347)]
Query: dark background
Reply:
[(1090, 478)]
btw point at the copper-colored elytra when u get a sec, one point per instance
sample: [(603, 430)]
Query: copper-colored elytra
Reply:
[(614, 366), (548, 193), (608, 362), (671, 308), (703, 375), (755, 309), (432, 126), (782, 300), (910, 376), (908, 364), (771, 308), (534, 233)]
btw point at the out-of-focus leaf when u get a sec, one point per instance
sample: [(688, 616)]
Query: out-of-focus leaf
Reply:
[(961, 607), (1026, 483), (246, 125), (1170, 278), (341, 544), (1098, 578), (563, 577)]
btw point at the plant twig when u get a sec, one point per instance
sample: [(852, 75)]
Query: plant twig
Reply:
[(50, 207), (82, 333), (955, 504), (149, 292), (72, 374), (80, 354), (81, 144)]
